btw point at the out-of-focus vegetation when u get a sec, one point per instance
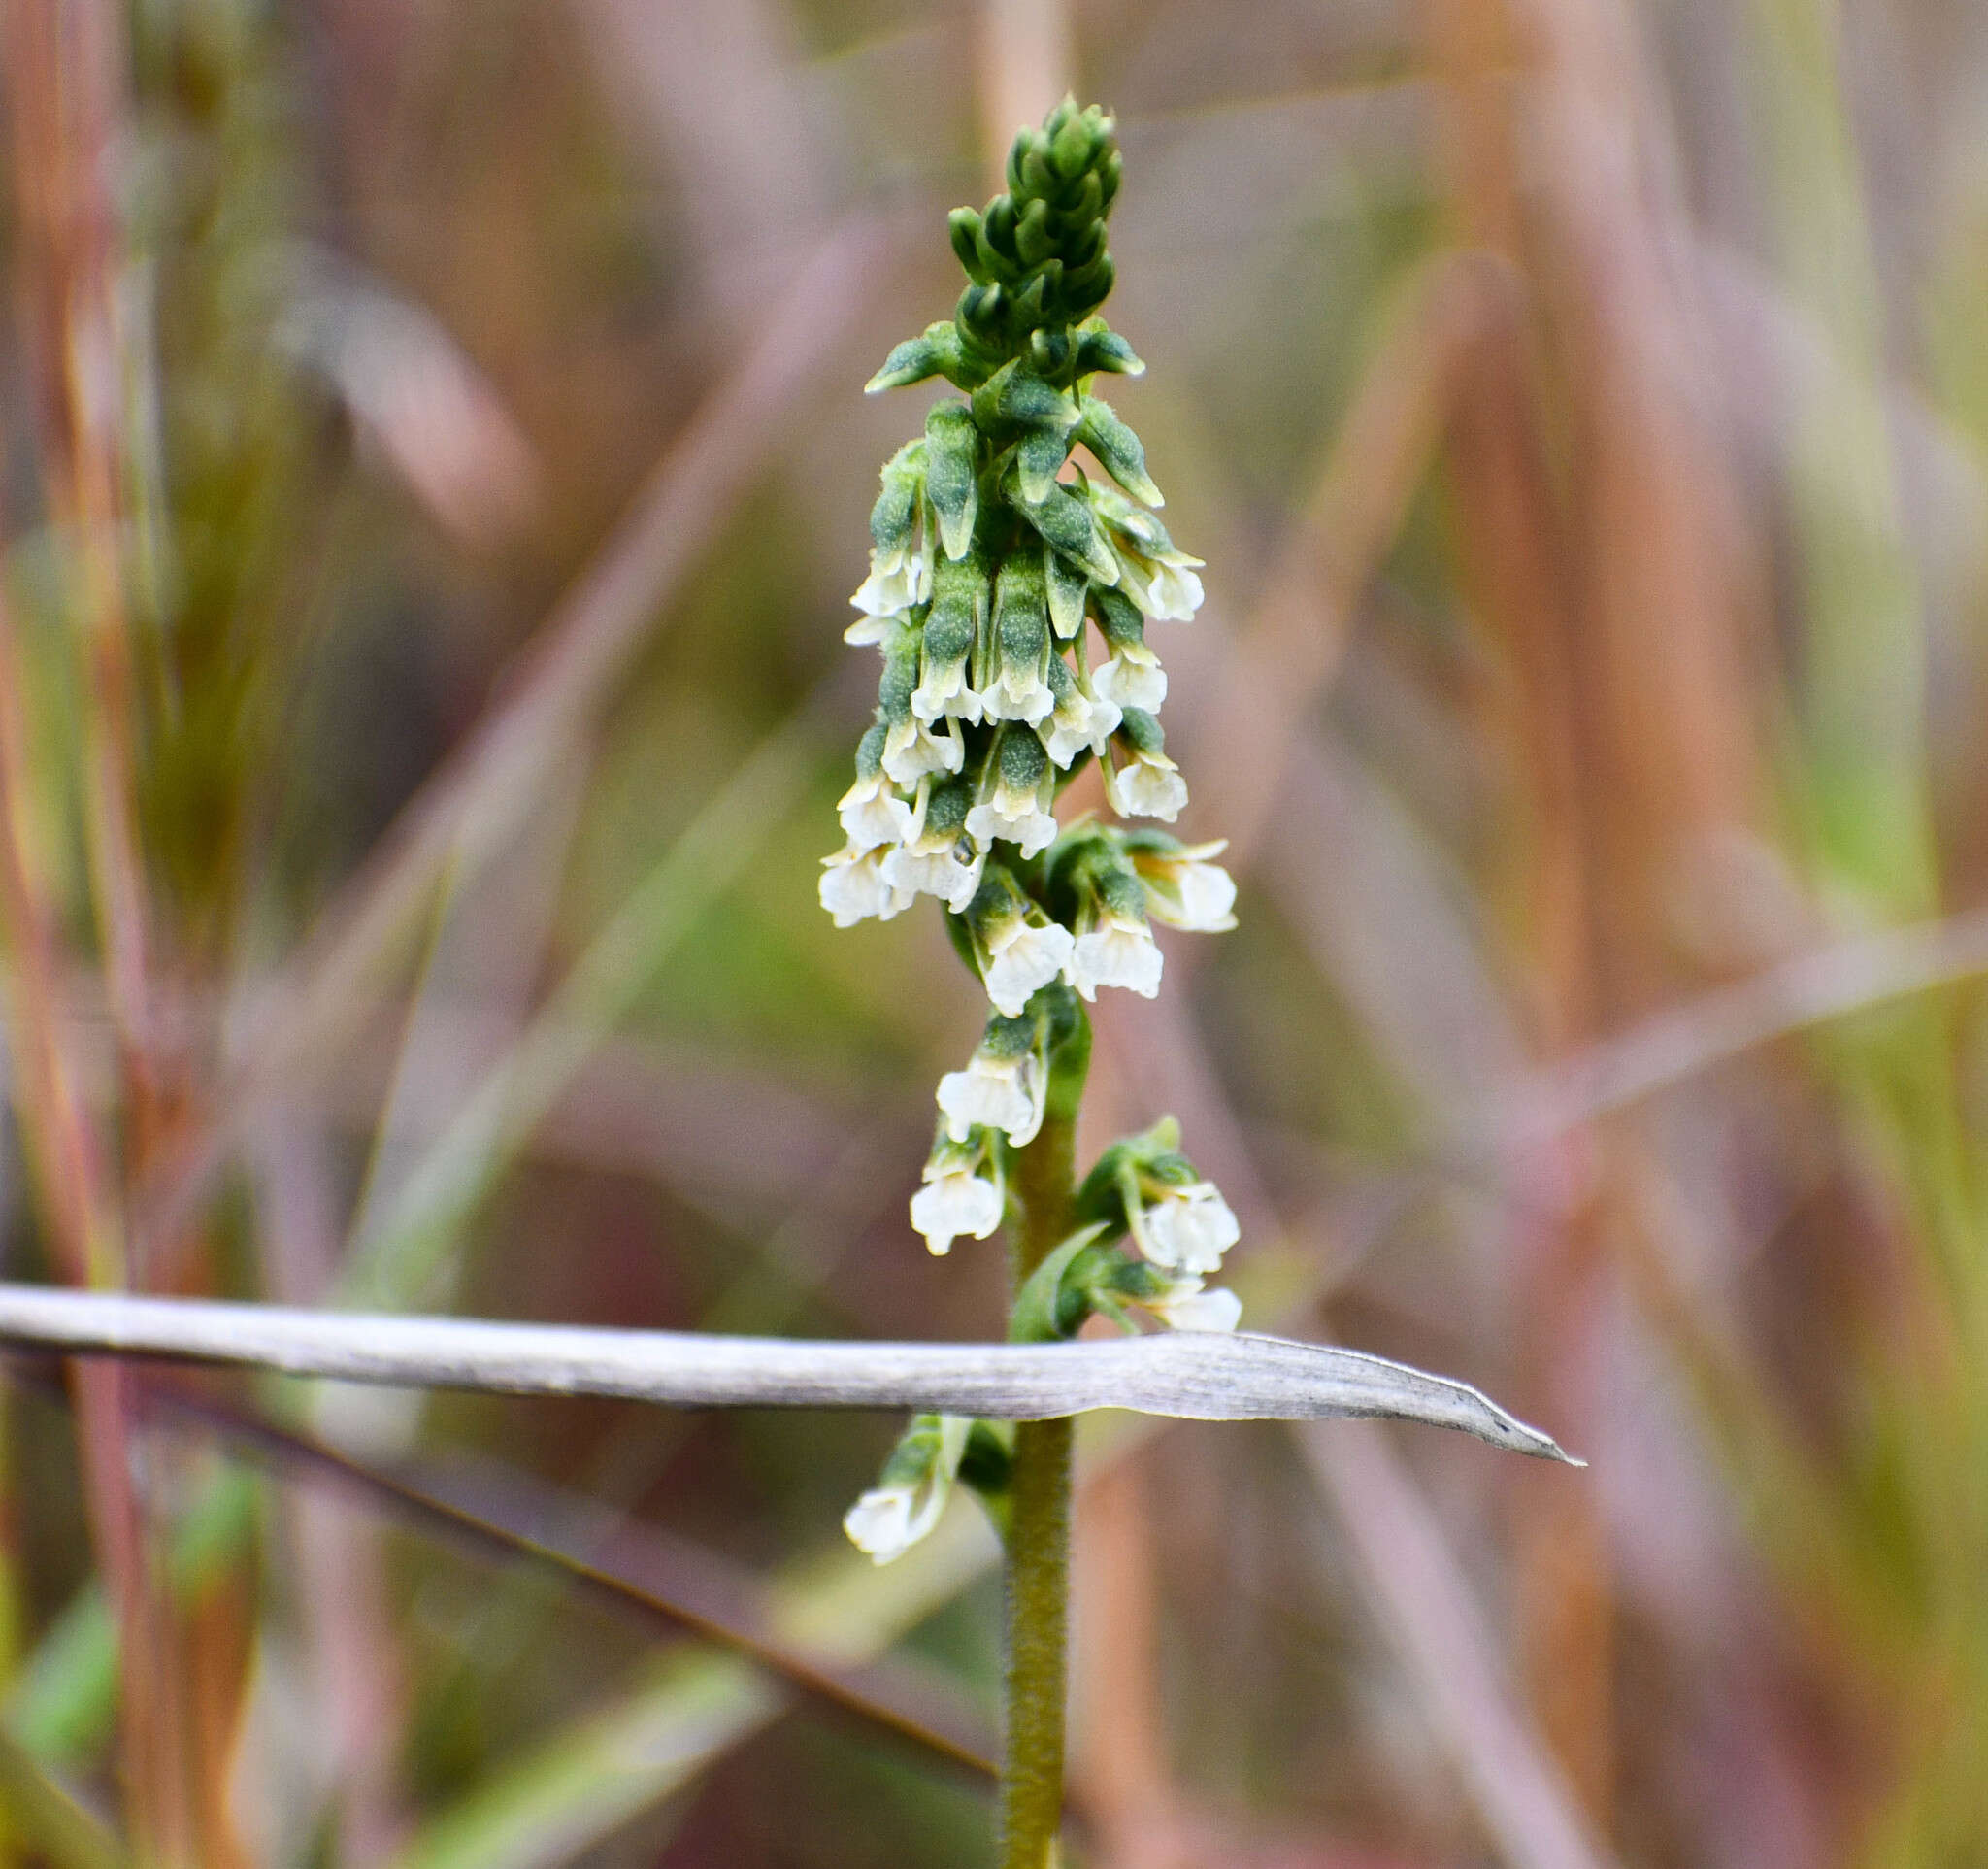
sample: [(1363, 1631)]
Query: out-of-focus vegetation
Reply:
[(434, 473)]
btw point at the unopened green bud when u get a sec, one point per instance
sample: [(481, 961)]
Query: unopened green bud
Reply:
[(1119, 450), (896, 512), (1066, 522), (1100, 349), (951, 473), (934, 352)]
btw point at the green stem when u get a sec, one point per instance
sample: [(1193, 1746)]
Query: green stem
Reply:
[(1041, 1178)]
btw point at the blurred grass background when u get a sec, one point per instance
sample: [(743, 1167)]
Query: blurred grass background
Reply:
[(433, 474)]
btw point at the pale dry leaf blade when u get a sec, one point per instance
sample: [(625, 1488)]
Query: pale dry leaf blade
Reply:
[(1188, 1375)]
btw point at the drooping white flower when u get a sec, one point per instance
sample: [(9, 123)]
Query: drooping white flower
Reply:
[(854, 888), (1185, 1305), (1165, 590), (1017, 821), (945, 691), (1152, 570), (1018, 692), (1016, 808), (1184, 889), (1004, 1093), (872, 813), (1016, 686), (1116, 950), (1022, 958), (1131, 677), (1148, 786), (1081, 722), (912, 749), (1188, 1229), (937, 864), (946, 648), (955, 1199), (898, 578), (889, 1519)]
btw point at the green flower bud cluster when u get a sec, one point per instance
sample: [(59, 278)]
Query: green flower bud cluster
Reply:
[(1016, 561), (1037, 266)]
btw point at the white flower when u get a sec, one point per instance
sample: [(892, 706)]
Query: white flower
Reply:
[(1003, 1093), (1132, 678), (889, 1519), (897, 580), (1184, 891), (1148, 786), (934, 867), (954, 1201), (1166, 591), (1117, 951), (1185, 1306), (1021, 958), (1188, 1229), (945, 691), (1019, 824), (1017, 693), (1152, 570), (853, 886), (866, 630), (872, 813), (911, 750)]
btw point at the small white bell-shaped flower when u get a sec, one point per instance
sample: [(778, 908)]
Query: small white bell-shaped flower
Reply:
[(1188, 1228), (855, 887), (1004, 1086), (912, 1492)]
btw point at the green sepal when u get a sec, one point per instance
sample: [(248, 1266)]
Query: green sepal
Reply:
[(1099, 347), (1038, 459), (964, 226), (1120, 619), (1066, 522), (936, 352), (1069, 585), (1118, 449), (1140, 731), (896, 509), (1021, 758), (1015, 399), (1021, 613), (952, 474), (869, 750)]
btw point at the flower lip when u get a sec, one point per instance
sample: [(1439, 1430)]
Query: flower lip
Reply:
[(1185, 1304), (954, 1201), (1148, 786), (855, 887), (872, 813), (1118, 950), (1188, 1229), (1023, 957), (1004, 1093), (913, 749)]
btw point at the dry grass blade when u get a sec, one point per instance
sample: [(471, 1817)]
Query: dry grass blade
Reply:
[(1674, 1046), (471, 801), (296, 1453), (1524, 1798), (45, 1815), (1192, 1376)]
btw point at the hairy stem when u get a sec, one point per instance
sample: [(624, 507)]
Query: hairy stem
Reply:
[(1038, 1528)]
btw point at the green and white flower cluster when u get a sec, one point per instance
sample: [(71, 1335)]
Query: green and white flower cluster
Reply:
[(1015, 562)]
